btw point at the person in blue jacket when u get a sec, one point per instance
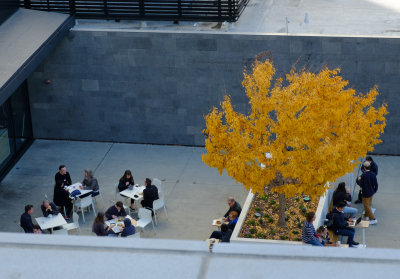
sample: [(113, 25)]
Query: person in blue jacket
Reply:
[(369, 186), (26, 219), (129, 228), (341, 226)]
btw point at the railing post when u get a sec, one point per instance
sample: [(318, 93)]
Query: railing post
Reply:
[(179, 9), (105, 8), (141, 8), (219, 9), (27, 4), (72, 7)]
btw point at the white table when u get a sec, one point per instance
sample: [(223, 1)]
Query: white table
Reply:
[(137, 190), (51, 222), (76, 186)]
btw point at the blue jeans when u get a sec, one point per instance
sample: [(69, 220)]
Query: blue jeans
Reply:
[(316, 242), (347, 232), (350, 211)]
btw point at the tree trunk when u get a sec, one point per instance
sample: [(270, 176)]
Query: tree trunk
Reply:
[(282, 207)]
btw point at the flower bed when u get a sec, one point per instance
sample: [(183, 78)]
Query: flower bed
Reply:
[(265, 226)]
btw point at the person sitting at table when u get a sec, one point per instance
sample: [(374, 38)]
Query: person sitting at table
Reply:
[(129, 228), (49, 208), (115, 211), (342, 194), (224, 235), (233, 206), (62, 176), (341, 226), (150, 194), (124, 182), (61, 198), (26, 219), (99, 225), (90, 183)]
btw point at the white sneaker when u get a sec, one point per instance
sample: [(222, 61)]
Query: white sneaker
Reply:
[(373, 222)]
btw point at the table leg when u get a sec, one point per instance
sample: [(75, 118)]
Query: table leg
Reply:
[(364, 238)]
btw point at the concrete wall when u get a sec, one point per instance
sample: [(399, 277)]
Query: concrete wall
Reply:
[(156, 87)]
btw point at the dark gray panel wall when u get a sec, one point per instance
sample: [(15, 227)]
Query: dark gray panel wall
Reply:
[(156, 87), (7, 8)]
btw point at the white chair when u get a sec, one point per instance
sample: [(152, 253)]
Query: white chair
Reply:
[(85, 203), (60, 232), (144, 219), (157, 182), (136, 235), (101, 197), (74, 225), (158, 204)]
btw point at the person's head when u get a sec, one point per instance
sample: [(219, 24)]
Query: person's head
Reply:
[(233, 215), (127, 174), (99, 218), (46, 203), (341, 187), (367, 167), (36, 228), (231, 201), (369, 159), (224, 227), (322, 230), (310, 216), (119, 205), (29, 209), (62, 169), (127, 222), (88, 174), (366, 164), (340, 206), (147, 182)]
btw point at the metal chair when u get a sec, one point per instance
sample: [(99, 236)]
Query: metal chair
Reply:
[(144, 219), (85, 203)]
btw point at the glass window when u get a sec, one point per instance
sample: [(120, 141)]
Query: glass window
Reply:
[(6, 142)]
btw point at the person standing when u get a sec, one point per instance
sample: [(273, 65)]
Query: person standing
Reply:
[(374, 169), (61, 198), (369, 186), (26, 219), (62, 176)]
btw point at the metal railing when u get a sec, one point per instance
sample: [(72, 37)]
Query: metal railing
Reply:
[(176, 10)]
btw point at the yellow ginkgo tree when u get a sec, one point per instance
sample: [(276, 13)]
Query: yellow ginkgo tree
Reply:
[(312, 127)]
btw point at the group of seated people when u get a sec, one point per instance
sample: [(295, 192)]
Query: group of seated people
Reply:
[(100, 229), (62, 199), (228, 221), (340, 220)]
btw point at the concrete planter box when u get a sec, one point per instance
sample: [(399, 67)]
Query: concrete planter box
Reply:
[(322, 210)]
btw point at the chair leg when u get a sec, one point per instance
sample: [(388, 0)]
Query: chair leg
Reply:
[(83, 215), (155, 217), (94, 210), (154, 229), (165, 210)]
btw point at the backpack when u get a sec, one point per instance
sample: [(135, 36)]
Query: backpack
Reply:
[(329, 221)]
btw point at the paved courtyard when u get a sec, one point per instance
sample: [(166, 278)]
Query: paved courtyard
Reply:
[(195, 193)]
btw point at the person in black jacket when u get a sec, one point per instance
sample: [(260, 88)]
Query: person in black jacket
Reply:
[(224, 235), (150, 194), (340, 224), (124, 182), (233, 206), (369, 186), (62, 176), (374, 169), (115, 211), (49, 208), (61, 198), (341, 194), (26, 219)]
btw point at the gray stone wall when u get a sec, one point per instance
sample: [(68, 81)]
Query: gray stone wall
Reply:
[(156, 87)]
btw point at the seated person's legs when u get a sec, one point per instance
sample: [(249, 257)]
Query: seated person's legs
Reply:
[(315, 243), (347, 232), (216, 234), (350, 212)]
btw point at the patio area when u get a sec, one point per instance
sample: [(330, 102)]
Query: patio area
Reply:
[(194, 193)]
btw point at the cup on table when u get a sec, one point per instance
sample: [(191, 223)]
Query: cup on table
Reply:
[(50, 215)]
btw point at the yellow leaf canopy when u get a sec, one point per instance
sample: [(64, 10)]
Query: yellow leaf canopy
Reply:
[(314, 127)]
